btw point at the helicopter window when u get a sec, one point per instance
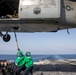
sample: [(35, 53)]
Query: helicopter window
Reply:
[(28, 2)]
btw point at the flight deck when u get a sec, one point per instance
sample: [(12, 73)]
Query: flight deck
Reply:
[(55, 67), (43, 67)]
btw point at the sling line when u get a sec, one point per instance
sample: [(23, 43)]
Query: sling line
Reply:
[(16, 40)]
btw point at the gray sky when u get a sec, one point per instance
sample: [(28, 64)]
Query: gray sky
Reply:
[(42, 43)]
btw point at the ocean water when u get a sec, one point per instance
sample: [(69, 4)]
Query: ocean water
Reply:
[(41, 57)]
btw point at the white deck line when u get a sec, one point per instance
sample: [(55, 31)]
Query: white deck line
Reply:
[(61, 73)]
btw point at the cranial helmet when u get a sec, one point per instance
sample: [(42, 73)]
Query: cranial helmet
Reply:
[(28, 54), (19, 54)]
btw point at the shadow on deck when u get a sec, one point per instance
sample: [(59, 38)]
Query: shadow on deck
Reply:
[(57, 67)]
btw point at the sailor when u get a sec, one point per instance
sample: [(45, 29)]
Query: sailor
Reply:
[(19, 62), (28, 61)]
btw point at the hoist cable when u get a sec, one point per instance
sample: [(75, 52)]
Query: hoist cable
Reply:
[(16, 40)]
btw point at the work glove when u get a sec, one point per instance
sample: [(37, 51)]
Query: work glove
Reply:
[(18, 49)]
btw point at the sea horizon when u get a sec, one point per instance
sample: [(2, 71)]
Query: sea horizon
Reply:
[(40, 57)]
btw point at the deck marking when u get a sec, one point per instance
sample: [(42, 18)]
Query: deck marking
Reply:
[(61, 73)]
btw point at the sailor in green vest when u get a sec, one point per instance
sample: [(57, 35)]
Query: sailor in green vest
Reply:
[(28, 62), (19, 62)]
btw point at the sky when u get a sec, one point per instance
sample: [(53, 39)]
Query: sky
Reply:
[(41, 43)]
